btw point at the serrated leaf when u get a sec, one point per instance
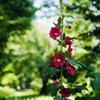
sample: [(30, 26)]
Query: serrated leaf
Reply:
[(58, 98), (53, 71), (54, 90)]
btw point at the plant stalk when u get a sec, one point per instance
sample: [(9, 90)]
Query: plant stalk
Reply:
[(61, 9)]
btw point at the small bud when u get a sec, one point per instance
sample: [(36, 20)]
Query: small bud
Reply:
[(71, 57), (69, 26), (56, 82)]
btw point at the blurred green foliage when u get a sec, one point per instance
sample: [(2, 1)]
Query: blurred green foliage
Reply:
[(6, 92), (15, 18), (24, 54), (87, 29)]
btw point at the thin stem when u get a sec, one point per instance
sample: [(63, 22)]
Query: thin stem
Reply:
[(61, 24), (56, 76), (61, 9), (61, 74)]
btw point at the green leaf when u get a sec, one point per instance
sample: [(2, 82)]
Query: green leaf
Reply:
[(59, 41), (73, 85), (66, 83), (73, 38), (72, 62), (59, 21), (58, 98), (66, 54), (55, 24), (83, 65), (96, 75), (79, 88), (96, 82), (67, 15), (54, 90), (69, 22), (63, 43), (53, 71), (60, 1)]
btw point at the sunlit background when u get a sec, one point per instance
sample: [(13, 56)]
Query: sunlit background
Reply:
[(26, 48)]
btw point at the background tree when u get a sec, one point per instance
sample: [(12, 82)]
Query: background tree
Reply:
[(15, 18), (87, 30), (30, 58)]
